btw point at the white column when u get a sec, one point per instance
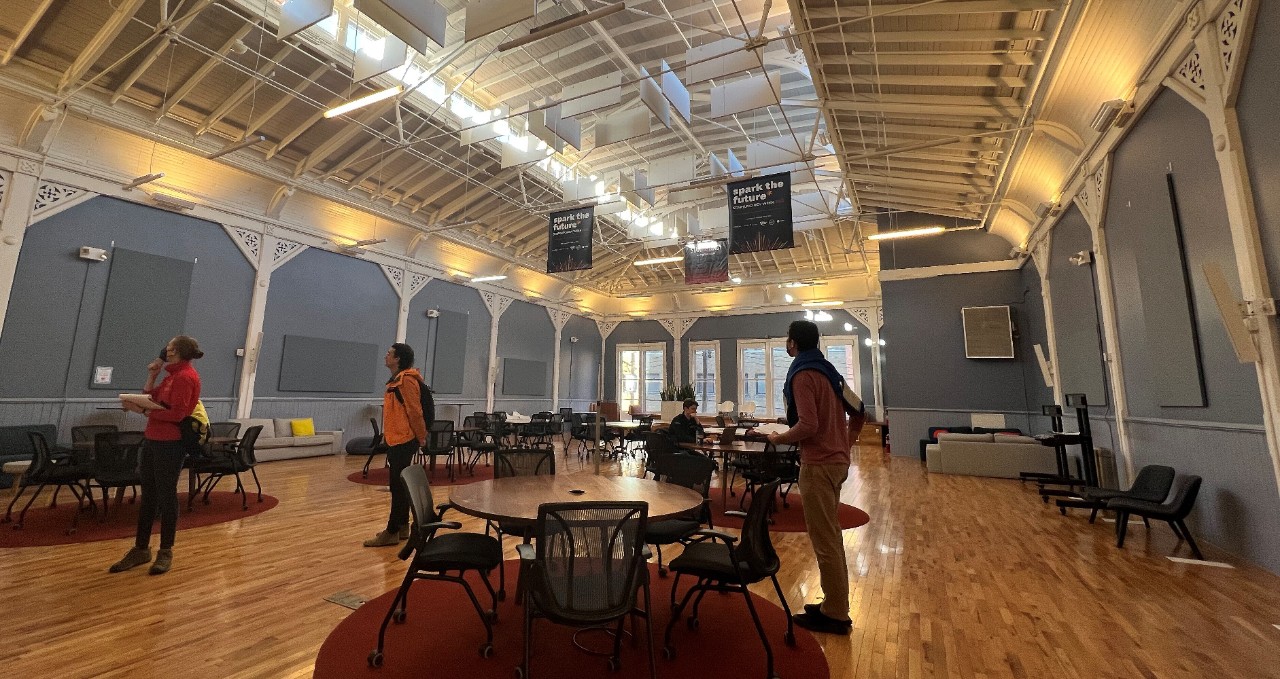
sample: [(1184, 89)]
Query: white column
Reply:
[(558, 320), (266, 253), (19, 189), (677, 327), (496, 305), (871, 316), (1040, 256), (407, 284), (1221, 80)]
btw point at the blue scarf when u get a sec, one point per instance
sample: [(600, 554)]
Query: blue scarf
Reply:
[(811, 359)]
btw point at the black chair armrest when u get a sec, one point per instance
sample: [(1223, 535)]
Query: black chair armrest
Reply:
[(436, 525), (526, 552), (715, 534)]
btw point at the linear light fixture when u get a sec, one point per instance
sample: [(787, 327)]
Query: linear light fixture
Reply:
[(703, 245), (363, 101), (659, 260), (242, 144), (907, 233), (831, 303), (486, 279), (144, 179), (571, 21)]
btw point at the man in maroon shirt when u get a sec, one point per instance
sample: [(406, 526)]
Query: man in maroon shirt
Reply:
[(816, 415)]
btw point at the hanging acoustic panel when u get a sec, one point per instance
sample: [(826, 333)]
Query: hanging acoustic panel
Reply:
[(623, 126), (718, 59), (590, 95), (299, 15), (486, 16)]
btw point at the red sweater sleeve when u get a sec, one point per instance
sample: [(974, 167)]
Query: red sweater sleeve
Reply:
[(183, 394)]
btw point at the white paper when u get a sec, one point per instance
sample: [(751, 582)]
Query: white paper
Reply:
[(770, 428), (142, 400), (102, 374)]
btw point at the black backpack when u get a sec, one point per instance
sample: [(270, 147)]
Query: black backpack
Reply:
[(428, 402)]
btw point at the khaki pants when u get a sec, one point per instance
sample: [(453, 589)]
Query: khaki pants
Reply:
[(820, 496)]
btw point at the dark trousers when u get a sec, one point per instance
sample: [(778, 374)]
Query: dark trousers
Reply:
[(161, 464), (399, 457)]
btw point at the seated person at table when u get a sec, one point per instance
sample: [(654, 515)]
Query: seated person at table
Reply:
[(685, 427)]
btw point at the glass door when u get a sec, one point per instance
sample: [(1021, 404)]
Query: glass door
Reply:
[(641, 371)]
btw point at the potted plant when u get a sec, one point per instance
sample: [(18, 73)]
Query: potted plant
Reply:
[(673, 397)]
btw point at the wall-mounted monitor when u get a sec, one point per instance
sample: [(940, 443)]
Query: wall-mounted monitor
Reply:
[(988, 331)]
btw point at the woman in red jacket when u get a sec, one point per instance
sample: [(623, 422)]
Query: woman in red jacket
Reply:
[(162, 451)]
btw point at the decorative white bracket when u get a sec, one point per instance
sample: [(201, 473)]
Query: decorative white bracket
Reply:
[(285, 250), (52, 197), (606, 328), (677, 327), (4, 184), (1092, 197), (495, 303), (865, 314), (248, 242), (559, 317)]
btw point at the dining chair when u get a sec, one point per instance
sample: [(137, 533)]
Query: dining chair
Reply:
[(237, 461), (46, 471), (84, 437), (432, 556), (586, 568), (725, 563), (440, 443), (475, 440), (376, 447)]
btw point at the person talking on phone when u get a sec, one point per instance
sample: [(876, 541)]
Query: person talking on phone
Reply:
[(162, 450)]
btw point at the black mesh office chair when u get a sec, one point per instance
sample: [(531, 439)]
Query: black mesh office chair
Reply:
[(84, 439), (475, 439), (724, 563), (241, 459), (223, 430), (440, 443), (115, 464), (776, 463), (659, 447), (46, 471), (586, 568), (508, 462), (434, 556), (690, 470)]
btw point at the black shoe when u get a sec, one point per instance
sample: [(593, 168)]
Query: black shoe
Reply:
[(816, 621), (134, 557), (164, 561)]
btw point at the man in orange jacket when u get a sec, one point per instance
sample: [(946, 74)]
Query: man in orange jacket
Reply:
[(404, 431)]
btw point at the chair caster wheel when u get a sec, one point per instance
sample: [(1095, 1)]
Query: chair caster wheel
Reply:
[(790, 638), (398, 617), (502, 595), (17, 526), (70, 531), (693, 623), (662, 572), (1062, 511), (375, 658), (486, 651), (669, 652), (519, 673), (614, 664), (492, 615)]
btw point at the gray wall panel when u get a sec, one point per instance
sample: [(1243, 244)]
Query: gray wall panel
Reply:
[(318, 364), (580, 362), (1174, 132), (145, 306), (48, 342), (422, 336), (525, 333), (1076, 318), (960, 247), (449, 351), (327, 295)]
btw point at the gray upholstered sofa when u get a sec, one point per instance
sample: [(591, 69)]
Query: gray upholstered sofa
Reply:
[(277, 442), (998, 455)]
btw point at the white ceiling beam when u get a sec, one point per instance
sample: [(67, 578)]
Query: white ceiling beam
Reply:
[(25, 31), (243, 91), (337, 139), (845, 13), (973, 112), (838, 37), (286, 98), (316, 116), (205, 69), (99, 43), (925, 80), (156, 50), (933, 58)]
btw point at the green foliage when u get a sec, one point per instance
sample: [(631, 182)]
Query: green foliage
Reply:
[(676, 393)]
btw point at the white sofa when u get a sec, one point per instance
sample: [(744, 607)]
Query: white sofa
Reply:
[(998, 455), (277, 442)]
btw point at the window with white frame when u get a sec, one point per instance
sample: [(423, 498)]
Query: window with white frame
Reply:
[(763, 365), (642, 369), (704, 368)]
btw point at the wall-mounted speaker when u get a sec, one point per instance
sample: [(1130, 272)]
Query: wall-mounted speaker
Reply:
[(988, 331)]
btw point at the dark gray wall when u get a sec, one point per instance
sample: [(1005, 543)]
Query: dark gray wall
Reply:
[(1256, 107), (420, 334), (525, 332), (929, 374), (1173, 133), (51, 327), (579, 363), (1076, 317), (959, 247), (331, 296)]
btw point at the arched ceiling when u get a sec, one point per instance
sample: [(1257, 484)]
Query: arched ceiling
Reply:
[(963, 109)]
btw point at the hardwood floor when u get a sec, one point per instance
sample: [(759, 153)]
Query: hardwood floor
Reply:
[(953, 577)]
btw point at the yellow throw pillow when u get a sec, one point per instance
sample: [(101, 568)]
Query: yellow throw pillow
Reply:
[(303, 427)]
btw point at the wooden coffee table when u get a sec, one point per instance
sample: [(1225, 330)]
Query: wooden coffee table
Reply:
[(517, 498)]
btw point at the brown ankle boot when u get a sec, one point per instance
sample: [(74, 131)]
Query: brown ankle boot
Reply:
[(164, 561), (134, 557), (386, 538)]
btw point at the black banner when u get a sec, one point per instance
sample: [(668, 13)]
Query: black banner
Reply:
[(760, 214), (569, 239), (706, 261)]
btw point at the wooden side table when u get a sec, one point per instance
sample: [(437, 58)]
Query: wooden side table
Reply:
[(16, 470)]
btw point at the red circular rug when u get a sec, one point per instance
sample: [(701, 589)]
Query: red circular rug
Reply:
[(46, 525), (378, 476), (785, 519), (442, 636)]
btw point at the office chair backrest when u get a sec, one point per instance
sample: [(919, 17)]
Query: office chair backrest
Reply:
[(509, 462), (245, 448), (89, 433), (41, 457), (1185, 490), (755, 549), (414, 478), (729, 435), (588, 558), (1153, 483), (116, 455), (440, 436), (691, 470)]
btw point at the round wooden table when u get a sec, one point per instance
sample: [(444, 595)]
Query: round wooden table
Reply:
[(517, 498)]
